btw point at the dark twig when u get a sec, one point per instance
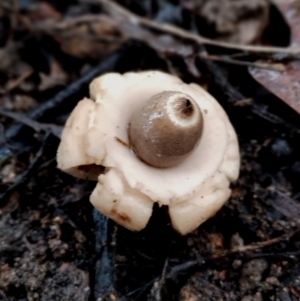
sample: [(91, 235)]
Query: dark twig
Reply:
[(106, 65), (234, 96), (24, 177), (182, 268), (104, 286), (261, 111), (62, 97), (225, 59), (186, 266), (285, 255), (172, 274), (155, 294), (37, 126), (141, 290), (257, 245), (9, 146)]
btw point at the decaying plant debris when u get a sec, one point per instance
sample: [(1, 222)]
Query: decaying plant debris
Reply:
[(53, 246)]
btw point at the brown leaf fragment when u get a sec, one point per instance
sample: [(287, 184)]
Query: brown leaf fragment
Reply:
[(56, 77), (285, 85), (43, 10), (93, 40), (239, 22)]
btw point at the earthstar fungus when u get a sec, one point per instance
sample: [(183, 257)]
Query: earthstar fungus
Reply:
[(178, 149)]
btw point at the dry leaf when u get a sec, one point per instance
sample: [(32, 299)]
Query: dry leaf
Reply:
[(285, 85), (94, 40), (56, 77), (43, 10), (234, 21)]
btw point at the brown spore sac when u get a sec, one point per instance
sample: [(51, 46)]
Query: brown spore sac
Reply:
[(165, 129)]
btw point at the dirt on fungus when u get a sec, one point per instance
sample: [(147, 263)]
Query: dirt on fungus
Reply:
[(54, 246)]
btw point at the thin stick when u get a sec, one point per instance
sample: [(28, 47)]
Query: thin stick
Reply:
[(186, 266), (19, 80), (115, 9), (37, 126), (257, 245), (63, 97), (105, 272), (155, 294), (241, 249), (275, 67)]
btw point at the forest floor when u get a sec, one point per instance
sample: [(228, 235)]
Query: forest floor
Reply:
[(54, 245)]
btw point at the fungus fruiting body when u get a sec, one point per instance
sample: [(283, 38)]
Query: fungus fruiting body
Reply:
[(165, 129), (148, 137)]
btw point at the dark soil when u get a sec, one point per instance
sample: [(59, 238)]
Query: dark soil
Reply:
[(54, 246)]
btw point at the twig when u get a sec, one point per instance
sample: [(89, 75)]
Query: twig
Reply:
[(155, 294), (234, 96), (139, 292), (24, 177), (261, 111), (275, 67), (258, 245), (14, 84), (5, 155), (192, 264), (37, 126), (63, 97), (106, 65), (243, 249), (117, 10), (287, 255), (104, 286)]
